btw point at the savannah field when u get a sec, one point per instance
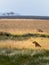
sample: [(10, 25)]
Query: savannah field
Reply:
[(25, 26), (17, 37)]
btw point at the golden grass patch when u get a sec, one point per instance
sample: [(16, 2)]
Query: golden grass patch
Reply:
[(22, 26), (44, 42)]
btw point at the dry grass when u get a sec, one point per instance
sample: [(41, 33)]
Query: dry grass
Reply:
[(24, 26), (44, 42), (21, 26)]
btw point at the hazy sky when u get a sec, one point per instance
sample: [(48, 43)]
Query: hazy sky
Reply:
[(26, 7)]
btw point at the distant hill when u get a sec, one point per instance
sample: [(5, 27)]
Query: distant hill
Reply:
[(13, 15), (24, 17)]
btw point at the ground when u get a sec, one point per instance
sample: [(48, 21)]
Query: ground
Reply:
[(16, 42), (24, 57), (25, 26)]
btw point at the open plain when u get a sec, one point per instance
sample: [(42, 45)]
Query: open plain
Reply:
[(25, 26), (24, 42)]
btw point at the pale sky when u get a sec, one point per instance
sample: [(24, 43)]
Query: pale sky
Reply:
[(26, 7)]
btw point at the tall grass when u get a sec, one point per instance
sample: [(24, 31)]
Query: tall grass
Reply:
[(6, 36), (24, 57)]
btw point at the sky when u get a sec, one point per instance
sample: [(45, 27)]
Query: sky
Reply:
[(26, 7)]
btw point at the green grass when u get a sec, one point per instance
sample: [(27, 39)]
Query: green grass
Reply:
[(8, 36), (24, 57)]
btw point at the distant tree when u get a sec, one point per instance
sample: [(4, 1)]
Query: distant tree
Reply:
[(12, 13), (8, 14), (3, 14)]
